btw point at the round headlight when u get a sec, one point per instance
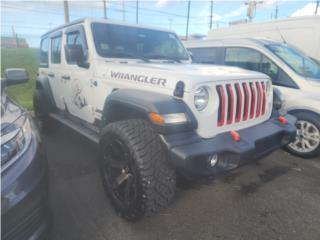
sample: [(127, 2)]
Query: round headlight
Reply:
[(201, 98)]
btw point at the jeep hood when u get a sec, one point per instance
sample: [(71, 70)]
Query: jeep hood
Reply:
[(190, 74)]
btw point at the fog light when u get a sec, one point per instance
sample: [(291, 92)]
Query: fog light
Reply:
[(213, 159)]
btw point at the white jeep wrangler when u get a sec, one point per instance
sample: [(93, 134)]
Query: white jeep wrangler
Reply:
[(132, 90)]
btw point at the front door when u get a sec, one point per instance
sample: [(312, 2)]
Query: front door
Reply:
[(80, 86)]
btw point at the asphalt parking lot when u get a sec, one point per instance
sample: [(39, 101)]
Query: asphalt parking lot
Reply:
[(275, 198)]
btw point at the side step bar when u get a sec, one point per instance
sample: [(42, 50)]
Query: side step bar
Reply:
[(86, 132)]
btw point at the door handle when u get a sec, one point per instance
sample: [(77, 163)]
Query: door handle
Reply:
[(65, 77), (50, 74)]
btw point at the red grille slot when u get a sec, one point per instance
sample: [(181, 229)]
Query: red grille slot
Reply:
[(239, 103), (264, 100), (253, 98), (230, 103), (246, 107), (259, 102), (222, 108)]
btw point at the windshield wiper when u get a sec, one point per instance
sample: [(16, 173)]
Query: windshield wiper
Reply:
[(130, 55), (162, 57)]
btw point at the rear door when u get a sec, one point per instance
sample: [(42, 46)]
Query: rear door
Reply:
[(54, 70)]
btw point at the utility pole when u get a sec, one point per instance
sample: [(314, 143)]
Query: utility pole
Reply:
[(276, 10), (66, 11), (211, 12), (104, 9), (187, 30), (251, 10), (137, 11), (123, 11), (317, 6), (170, 23), (14, 38)]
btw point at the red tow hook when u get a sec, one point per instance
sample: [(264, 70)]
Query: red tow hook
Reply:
[(235, 136), (283, 120)]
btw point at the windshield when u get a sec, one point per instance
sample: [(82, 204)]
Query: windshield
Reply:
[(116, 41), (296, 60)]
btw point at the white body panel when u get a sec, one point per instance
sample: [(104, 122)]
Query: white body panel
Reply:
[(301, 32), (95, 83)]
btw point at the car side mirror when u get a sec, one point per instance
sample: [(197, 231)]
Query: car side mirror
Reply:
[(15, 76), (74, 54)]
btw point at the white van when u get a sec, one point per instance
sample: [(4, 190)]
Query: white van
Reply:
[(295, 74), (301, 32)]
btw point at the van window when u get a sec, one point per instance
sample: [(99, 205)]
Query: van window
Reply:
[(204, 55), (253, 60), (299, 62), (243, 57), (44, 47), (56, 50)]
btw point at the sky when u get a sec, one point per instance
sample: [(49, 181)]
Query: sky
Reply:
[(31, 19)]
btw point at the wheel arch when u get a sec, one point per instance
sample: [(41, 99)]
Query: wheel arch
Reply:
[(124, 104), (44, 94), (296, 110)]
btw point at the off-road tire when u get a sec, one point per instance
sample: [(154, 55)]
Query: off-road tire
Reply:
[(155, 179), (45, 124), (315, 120)]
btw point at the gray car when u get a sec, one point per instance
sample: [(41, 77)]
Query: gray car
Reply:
[(24, 172)]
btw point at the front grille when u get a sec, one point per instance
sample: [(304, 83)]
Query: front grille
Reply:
[(239, 102)]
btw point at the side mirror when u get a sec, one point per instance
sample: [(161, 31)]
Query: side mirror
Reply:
[(191, 55), (15, 76)]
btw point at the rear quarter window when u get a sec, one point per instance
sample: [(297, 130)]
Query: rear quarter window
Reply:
[(44, 48)]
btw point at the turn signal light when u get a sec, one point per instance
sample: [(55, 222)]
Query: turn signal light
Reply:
[(170, 118), (156, 118), (283, 120), (235, 136)]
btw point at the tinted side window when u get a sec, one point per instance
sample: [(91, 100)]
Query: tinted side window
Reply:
[(44, 48), (56, 50), (75, 38), (243, 57), (207, 55)]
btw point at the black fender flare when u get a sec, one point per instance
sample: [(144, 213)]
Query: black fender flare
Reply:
[(124, 104), (43, 94)]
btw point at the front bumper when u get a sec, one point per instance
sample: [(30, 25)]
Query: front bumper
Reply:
[(24, 196), (190, 154)]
